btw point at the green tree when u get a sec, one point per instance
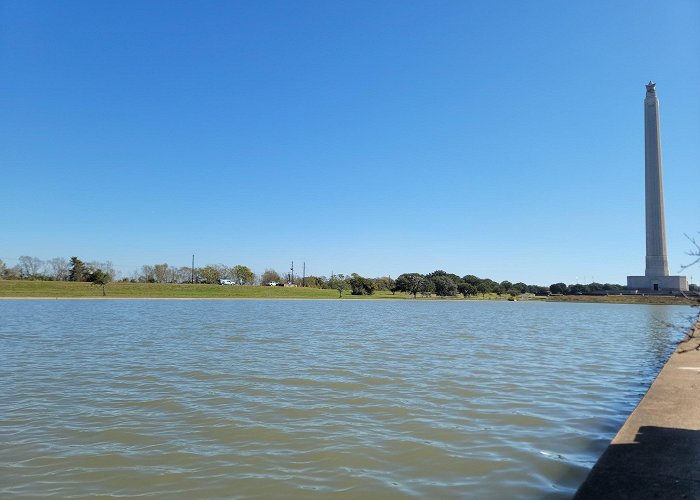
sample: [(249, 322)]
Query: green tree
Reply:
[(467, 289), (339, 283), (360, 285), (455, 279), (385, 283), (242, 275), (491, 286), (102, 278), (428, 289), (78, 270), (210, 274), (471, 279), (558, 288), (316, 282), (444, 286), (413, 283)]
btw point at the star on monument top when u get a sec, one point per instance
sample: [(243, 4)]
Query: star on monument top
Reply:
[(651, 87)]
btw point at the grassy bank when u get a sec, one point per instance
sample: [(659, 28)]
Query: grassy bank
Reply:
[(65, 289), (155, 290)]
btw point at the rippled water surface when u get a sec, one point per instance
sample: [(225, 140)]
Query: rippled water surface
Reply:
[(317, 398)]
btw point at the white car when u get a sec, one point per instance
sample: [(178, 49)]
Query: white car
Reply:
[(226, 282)]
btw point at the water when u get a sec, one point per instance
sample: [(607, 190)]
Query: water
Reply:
[(288, 399)]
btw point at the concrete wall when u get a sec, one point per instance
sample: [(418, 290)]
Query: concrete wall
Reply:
[(665, 283)]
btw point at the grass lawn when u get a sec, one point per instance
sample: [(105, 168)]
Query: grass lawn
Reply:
[(67, 289), (155, 290)]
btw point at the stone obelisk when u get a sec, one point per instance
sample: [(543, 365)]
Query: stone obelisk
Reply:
[(657, 262), (656, 278)]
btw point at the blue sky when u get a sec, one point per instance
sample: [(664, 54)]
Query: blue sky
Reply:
[(502, 139)]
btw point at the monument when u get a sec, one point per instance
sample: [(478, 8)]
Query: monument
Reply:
[(656, 277)]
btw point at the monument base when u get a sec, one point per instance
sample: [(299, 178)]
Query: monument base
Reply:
[(658, 283)]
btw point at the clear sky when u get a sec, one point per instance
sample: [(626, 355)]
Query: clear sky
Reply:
[(496, 138)]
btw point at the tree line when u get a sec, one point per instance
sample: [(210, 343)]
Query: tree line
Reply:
[(437, 283), (56, 269)]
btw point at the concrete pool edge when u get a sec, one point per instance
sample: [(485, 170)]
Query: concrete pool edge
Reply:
[(656, 453)]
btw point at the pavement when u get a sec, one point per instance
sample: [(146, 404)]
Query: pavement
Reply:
[(656, 453)]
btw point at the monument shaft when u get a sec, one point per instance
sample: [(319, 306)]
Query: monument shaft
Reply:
[(657, 262), (656, 278)]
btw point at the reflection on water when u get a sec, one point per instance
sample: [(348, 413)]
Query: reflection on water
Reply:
[(295, 398), (663, 327)]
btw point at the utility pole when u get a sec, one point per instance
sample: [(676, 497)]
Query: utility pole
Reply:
[(291, 276), (303, 274), (192, 278)]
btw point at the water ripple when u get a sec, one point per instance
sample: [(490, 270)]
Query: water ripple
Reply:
[(305, 398)]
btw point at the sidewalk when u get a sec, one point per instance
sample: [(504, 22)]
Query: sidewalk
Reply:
[(656, 453)]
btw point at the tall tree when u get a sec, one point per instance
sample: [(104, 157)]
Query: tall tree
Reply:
[(184, 274), (148, 274), (160, 273), (30, 266), (60, 268), (242, 275), (78, 270)]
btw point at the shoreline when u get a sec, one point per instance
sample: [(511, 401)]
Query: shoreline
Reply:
[(66, 290), (612, 299)]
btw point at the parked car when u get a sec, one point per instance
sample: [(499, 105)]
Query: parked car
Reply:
[(226, 282)]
